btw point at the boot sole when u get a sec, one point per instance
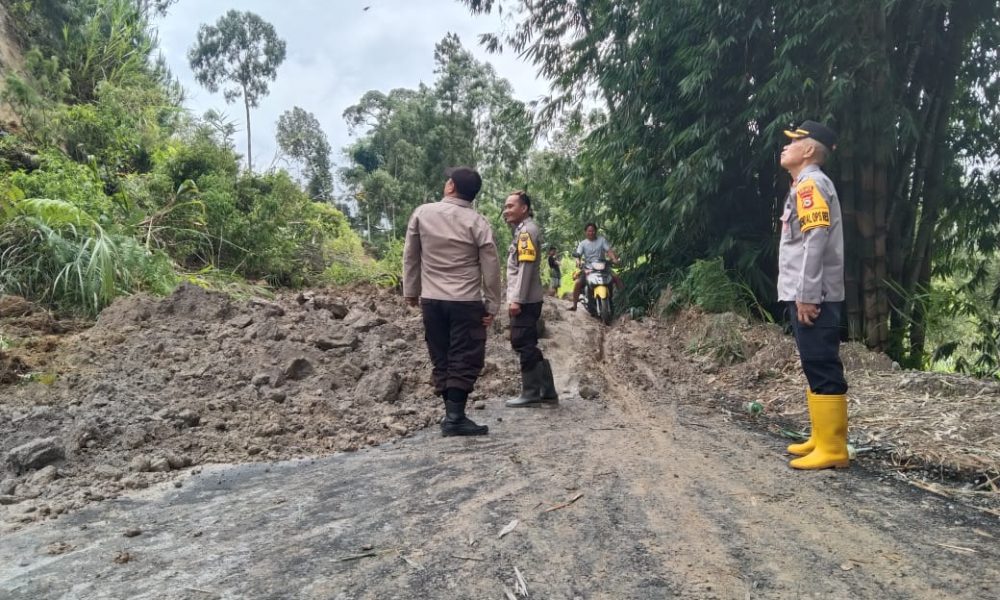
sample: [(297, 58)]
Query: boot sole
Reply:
[(536, 404), (463, 434), (837, 465)]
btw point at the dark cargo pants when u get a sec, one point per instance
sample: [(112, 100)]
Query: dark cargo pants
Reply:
[(456, 341), (819, 349), (524, 335)]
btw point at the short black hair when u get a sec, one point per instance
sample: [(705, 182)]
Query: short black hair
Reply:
[(525, 199), (467, 181), (589, 225)]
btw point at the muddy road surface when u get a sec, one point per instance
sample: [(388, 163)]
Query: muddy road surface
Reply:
[(634, 487)]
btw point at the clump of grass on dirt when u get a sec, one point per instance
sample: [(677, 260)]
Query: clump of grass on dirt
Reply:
[(720, 338)]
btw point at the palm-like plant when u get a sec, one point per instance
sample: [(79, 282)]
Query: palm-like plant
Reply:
[(54, 252)]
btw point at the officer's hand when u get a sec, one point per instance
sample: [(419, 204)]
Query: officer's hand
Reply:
[(808, 313), (411, 301), (515, 309), (487, 320)]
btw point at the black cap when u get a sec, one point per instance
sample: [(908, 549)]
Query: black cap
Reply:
[(817, 131), (467, 181)]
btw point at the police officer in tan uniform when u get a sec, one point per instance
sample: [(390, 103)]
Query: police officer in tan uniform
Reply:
[(451, 268), (811, 281), (524, 295)]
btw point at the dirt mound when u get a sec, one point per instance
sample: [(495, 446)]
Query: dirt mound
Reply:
[(158, 385), (937, 425), (187, 303)]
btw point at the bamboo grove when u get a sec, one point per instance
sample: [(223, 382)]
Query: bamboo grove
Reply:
[(696, 95)]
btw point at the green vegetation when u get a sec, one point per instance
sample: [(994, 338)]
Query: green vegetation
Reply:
[(663, 126), (408, 137), (243, 51), (109, 188)]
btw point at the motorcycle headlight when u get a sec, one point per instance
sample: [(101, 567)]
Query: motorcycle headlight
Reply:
[(599, 265)]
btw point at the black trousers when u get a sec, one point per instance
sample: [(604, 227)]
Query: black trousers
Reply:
[(819, 349), (524, 335), (456, 341)]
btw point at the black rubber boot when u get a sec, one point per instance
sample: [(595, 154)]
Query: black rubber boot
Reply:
[(531, 388), (455, 422), (548, 384)]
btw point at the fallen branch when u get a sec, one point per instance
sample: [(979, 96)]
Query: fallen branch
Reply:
[(564, 504), (357, 556), (958, 548), (460, 557), (929, 487)]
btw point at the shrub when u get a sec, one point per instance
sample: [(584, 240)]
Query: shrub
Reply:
[(55, 253), (708, 286)]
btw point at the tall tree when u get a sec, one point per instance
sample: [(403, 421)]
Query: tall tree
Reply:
[(469, 116), (240, 53), (302, 139)]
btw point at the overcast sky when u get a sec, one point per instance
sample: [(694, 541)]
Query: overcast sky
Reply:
[(336, 52)]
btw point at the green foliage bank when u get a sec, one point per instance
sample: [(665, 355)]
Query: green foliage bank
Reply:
[(107, 186)]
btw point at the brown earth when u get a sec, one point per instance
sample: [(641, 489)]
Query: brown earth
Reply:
[(158, 385), (659, 482)]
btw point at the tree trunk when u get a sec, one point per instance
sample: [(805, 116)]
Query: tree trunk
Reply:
[(246, 104), (852, 239)]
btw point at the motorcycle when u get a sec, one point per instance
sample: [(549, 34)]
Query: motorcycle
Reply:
[(598, 291)]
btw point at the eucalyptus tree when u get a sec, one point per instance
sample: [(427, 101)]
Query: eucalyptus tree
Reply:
[(301, 137), (240, 54)]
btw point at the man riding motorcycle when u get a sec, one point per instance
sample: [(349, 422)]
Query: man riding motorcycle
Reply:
[(589, 251)]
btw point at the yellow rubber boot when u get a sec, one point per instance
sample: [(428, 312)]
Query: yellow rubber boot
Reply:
[(829, 415), (809, 445)]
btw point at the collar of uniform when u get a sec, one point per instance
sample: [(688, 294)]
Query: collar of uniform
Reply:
[(811, 168), (457, 201), (522, 224)]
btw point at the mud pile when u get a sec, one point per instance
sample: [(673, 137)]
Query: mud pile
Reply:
[(158, 386)]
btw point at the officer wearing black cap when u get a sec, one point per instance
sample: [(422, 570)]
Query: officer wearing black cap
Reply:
[(524, 296), (811, 281), (451, 267)]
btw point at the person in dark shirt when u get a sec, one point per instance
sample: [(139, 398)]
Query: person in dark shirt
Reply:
[(555, 272)]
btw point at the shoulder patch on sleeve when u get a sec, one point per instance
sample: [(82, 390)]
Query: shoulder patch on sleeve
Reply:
[(526, 248), (812, 208)]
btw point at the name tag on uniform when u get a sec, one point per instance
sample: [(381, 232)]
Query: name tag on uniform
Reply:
[(526, 248)]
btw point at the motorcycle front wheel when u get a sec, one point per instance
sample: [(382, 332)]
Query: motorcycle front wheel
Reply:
[(604, 310)]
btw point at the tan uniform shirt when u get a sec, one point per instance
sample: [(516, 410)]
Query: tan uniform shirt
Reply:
[(450, 254), (811, 254), (524, 278)]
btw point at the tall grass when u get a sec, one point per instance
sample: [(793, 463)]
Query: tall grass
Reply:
[(55, 253)]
